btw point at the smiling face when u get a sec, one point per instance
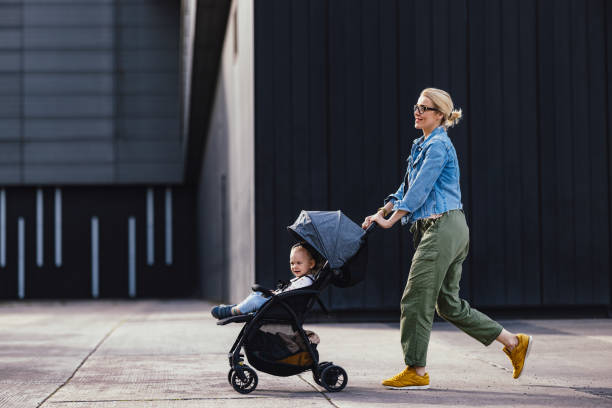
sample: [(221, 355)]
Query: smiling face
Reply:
[(429, 119), (300, 261)]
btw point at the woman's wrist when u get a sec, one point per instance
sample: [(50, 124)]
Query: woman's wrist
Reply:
[(383, 210)]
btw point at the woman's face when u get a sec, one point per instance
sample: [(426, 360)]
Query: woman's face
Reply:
[(429, 119)]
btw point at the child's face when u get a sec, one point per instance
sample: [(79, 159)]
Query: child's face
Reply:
[(301, 263)]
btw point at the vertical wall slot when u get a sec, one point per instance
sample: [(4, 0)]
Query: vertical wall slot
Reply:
[(58, 227), (21, 258), (150, 230), (95, 258), (132, 256), (168, 226), (39, 227), (2, 228)]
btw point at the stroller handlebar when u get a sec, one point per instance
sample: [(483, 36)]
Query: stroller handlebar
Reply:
[(371, 228)]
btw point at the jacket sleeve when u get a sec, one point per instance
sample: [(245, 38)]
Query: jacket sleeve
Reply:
[(433, 163), (396, 196)]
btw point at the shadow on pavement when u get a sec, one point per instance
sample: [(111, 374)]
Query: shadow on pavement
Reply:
[(452, 397)]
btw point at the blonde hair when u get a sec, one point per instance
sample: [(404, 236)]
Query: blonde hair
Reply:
[(443, 102)]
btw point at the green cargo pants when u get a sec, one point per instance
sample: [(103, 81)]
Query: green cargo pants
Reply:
[(441, 247)]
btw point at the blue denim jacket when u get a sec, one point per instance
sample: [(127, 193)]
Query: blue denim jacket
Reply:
[(432, 178)]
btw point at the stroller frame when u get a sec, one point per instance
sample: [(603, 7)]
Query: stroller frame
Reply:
[(242, 377)]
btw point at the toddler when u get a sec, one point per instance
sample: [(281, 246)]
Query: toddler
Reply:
[(304, 268)]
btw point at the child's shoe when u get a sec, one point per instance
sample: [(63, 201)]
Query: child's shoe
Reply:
[(222, 311), (408, 380), (519, 354)]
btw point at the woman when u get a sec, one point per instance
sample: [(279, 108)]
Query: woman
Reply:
[(430, 199)]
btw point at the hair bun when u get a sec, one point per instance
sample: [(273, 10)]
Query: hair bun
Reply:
[(453, 118)]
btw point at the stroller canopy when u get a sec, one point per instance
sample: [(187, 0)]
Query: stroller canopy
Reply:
[(331, 233)]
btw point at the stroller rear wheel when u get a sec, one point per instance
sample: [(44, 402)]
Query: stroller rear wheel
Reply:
[(333, 378), (246, 384)]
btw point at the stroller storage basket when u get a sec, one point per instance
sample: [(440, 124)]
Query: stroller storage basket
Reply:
[(257, 359), (279, 354)]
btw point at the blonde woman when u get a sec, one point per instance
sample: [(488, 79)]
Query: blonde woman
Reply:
[(430, 199)]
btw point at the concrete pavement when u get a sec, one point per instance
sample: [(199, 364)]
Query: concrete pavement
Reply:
[(104, 354)]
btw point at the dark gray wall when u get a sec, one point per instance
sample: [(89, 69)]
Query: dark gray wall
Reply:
[(89, 100), (335, 82), (89, 92), (169, 228)]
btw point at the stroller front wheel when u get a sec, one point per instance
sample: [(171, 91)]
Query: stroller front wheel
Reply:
[(246, 384), (334, 378)]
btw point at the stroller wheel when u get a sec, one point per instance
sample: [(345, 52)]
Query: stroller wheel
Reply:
[(229, 375), (322, 366), (334, 378), (246, 384)]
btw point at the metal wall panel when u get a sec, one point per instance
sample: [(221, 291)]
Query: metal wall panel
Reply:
[(148, 172), (62, 14), (10, 106), (68, 84), (10, 39), (10, 174), (10, 61), (149, 128), (149, 151), (68, 61), (10, 15), (68, 38), (73, 152), (149, 82), (9, 84), (10, 153), (77, 173), (10, 129), (68, 129), (80, 79), (335, 85), (67, 106)]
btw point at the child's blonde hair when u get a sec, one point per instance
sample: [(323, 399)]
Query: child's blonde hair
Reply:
[(443, 102)]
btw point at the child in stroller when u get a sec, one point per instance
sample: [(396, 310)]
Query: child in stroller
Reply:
[(304, 267), (273, 338)]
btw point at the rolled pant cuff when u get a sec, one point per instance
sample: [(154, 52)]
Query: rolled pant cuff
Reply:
[(415, 363), (488, 342)]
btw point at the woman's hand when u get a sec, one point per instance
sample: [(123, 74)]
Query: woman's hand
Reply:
[(366, 222), (380, 220), (377, 218)]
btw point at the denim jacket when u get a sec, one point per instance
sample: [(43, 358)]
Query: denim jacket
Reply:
[(432, 178)]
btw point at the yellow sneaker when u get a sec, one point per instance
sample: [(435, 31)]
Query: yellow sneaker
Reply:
[(407, 380), (519, 354)]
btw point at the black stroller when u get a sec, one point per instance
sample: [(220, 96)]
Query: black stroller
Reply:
[(273, 338)]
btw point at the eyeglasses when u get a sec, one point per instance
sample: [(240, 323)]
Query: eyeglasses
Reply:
[(422, 109)]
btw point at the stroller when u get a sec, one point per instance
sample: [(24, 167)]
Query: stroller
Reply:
[(273, 338)]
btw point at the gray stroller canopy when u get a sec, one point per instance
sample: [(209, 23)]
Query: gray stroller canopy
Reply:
[(331, 233)]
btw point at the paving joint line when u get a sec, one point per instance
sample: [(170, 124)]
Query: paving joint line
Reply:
[(82, 362), (317, 390), (156, 399)]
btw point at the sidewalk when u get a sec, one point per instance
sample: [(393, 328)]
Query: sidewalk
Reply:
[(171, 354)]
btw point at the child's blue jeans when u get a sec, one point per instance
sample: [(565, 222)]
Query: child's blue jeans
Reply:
[(252, 303)]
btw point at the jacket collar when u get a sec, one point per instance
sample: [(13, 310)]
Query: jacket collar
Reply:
[(419, 141)]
